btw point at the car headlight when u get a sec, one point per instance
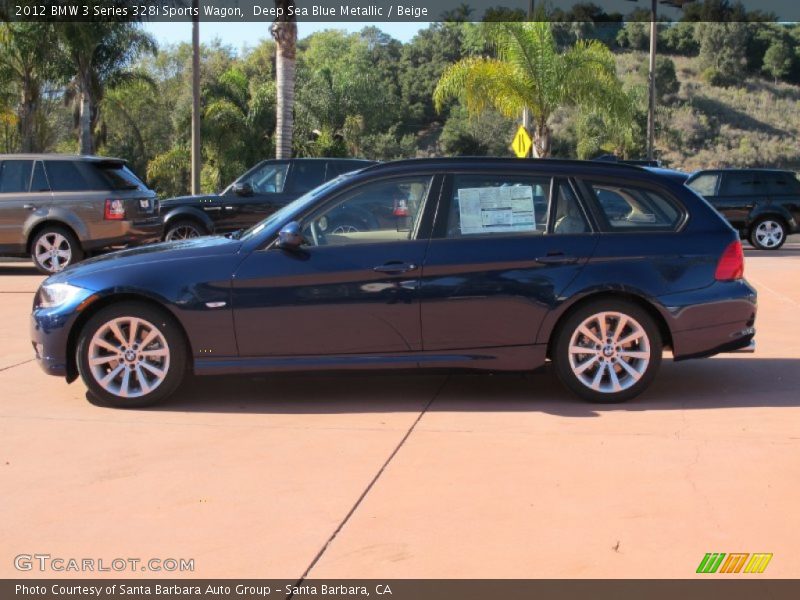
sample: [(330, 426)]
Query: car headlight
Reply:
[(57, 294)]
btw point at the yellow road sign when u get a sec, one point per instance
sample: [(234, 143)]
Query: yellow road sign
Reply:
[(522, 143)]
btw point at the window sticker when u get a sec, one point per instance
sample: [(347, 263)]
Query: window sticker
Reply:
[(496, 209)]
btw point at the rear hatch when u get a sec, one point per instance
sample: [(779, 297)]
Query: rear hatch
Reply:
[(140, 202)]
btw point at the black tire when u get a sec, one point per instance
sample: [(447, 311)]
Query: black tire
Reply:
[(173, 365), (184, 229), (596, 358), (772, 236), (59, 239)]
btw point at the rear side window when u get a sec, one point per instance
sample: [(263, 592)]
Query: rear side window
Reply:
[(306, 175), (629, 208), (74, 176), (569, 218), (740, 184), (15, 176), (705, 185), (498, 205), (780, 184)]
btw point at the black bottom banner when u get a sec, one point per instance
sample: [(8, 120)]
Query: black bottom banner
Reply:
[(399, 589)]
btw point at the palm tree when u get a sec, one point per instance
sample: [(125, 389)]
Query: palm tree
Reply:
[(27, 64), (101, 55), (530, 72), (284, 31)]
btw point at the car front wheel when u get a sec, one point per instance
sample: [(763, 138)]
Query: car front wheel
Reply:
[(768, 234), (131, 355), (54, 248), (608, 351), (183, 230)]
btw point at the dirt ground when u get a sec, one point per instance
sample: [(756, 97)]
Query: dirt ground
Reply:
[(473, 476)]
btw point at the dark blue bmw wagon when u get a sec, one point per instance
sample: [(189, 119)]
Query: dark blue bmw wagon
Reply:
[(488, 264)]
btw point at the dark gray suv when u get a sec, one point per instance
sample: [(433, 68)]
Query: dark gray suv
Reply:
[(58, 208)]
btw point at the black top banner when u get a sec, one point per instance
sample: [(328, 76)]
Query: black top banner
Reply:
[(398, 10)]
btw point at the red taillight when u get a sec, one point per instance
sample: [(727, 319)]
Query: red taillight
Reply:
[(400, 208), (115, 210), (731, 263)]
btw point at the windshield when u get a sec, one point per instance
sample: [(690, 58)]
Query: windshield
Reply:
[(288, 212)]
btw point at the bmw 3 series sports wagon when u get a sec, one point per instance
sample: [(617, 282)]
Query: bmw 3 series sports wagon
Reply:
[(488, 264)]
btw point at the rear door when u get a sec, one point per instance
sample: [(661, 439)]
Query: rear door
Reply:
[(739, 192), (24, 194), (504, 248)]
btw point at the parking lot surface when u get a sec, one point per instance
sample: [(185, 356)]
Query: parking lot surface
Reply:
[(436, 475)]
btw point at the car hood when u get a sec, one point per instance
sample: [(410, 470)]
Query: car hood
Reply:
[(196, 248), (182, 200)]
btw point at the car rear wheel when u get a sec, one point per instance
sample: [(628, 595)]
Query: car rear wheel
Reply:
[(768, 233), (55, 248), (608, 351), (184, 230), (131, 355)]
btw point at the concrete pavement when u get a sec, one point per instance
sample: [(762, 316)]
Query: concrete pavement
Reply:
[(413, 475)]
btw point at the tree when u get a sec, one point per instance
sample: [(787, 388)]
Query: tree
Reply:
[(101, 55), (27, 64), (529, 72), (778, 60), (284, 32), (722, 50)]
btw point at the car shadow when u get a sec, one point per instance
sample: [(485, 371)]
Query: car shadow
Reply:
[(752, 252), (718, 383), (18, 269)]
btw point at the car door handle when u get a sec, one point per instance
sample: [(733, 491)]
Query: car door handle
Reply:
[(395, 268), (557, 259), (29, 206)]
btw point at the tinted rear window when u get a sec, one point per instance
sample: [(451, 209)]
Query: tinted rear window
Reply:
[(629, 208), (740, 184), (15, 176), (74, 176), (306, 175), (779, 184)]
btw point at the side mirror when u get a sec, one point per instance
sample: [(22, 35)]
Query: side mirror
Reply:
[(242, 189), (289, 237)]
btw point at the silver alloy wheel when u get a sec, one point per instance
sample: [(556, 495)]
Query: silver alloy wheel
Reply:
[(609, 352), (129, 357), (53, 252), (769, 233), (182, 232)]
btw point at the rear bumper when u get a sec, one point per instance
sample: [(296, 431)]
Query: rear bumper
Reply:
[(712, 320), (129, 234)]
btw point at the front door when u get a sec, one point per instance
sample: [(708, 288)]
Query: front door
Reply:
[(269, 193), (504, 248), (347, 291)]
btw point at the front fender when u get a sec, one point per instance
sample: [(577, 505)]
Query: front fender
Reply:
[(187, 212)]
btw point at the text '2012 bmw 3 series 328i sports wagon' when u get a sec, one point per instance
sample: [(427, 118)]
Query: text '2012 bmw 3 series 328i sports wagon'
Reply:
[(487, 264)]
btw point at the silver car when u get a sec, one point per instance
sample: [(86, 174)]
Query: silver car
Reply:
[(59, 208)]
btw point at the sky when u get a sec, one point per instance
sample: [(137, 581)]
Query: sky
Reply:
[(241, 35)]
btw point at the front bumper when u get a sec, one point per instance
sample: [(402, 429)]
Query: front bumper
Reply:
[(49, 332)]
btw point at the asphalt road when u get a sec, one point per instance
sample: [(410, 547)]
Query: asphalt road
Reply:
[(451, 476)]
